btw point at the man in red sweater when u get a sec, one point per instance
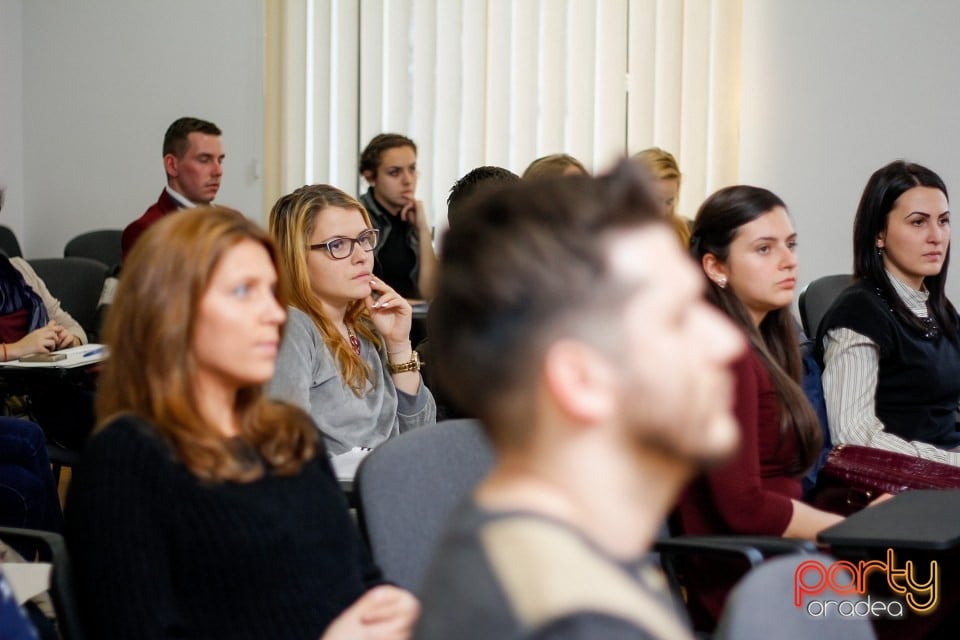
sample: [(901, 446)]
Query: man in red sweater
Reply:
[(193, 159)]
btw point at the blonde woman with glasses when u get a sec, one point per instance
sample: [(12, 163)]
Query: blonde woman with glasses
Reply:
[(346, 357)]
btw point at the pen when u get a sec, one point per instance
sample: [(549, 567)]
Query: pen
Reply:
[(92, 352)]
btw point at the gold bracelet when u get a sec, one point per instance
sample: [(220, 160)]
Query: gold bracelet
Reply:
[(413, 364)]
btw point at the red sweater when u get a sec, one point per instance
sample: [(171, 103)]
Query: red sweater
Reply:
[(750, 494), (164, 205)]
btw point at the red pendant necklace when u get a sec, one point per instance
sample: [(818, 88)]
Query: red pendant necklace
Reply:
[(354, 341)]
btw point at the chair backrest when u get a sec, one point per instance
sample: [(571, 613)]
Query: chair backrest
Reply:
[(102, 245), (53, 550), (407, 488), (9, 243), (77, 284), (816, 298), (762, 606)]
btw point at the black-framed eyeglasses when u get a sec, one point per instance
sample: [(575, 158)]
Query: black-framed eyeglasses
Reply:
[(340, 247)]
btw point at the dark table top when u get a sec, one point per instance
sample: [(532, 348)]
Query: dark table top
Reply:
[(923, 519)]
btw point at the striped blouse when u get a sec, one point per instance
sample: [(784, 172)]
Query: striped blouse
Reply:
[(851, 367)]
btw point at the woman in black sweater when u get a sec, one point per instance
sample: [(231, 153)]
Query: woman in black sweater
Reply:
[(202, 509)]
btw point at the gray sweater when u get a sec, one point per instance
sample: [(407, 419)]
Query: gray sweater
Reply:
[(308, 376)]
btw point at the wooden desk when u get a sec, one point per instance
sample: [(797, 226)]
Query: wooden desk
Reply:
[(923, 520)]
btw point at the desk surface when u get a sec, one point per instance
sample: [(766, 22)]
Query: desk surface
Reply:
[(927, 519), (75, 357)]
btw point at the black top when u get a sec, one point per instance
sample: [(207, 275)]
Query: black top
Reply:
[(918, 381), (159, 553), (396, 261)]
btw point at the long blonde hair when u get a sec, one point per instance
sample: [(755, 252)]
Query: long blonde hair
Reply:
[(292, 221), (663, 166), (152, 369)]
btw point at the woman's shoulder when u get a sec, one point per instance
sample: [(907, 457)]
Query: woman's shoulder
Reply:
[(128, 436), (749, 363), (750, 373), (123, 459), (302, 334), (20, 264), (860, 292), (300, 319), (303, 329), (860, 305), (23, 267)]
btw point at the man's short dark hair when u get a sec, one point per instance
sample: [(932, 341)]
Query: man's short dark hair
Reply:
[(526, 263), (477, 181), (370, 158), (176, 141)]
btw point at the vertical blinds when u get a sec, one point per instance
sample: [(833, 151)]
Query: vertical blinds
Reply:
[(500, 82)]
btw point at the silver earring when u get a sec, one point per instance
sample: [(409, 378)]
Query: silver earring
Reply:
[(722, 282), (879, 250)]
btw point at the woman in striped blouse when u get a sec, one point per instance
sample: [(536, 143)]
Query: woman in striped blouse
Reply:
[(889, 343)]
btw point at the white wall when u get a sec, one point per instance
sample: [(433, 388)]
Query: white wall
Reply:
[(11, 114), (832, 91), (102, 79)]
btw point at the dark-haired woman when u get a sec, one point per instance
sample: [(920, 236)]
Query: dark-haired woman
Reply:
[(746, 244), (32, 321), (889, 343)]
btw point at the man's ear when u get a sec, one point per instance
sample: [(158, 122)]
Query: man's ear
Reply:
[(171, 165), (715, 270), (580, 380), (370, 177)]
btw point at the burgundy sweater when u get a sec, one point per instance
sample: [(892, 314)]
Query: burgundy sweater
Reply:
[(751, 493)]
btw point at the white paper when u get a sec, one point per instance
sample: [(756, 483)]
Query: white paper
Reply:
[(345, 465), (27, 578), (85, 354)]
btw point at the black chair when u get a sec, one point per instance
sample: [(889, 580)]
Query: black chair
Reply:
[(77, 284), (408, 487), (61, 457), (679, 554), (53, 550), (816, 298), (102, 245), (9, 243)]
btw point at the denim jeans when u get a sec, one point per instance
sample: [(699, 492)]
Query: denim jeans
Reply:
[(28, 493)]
